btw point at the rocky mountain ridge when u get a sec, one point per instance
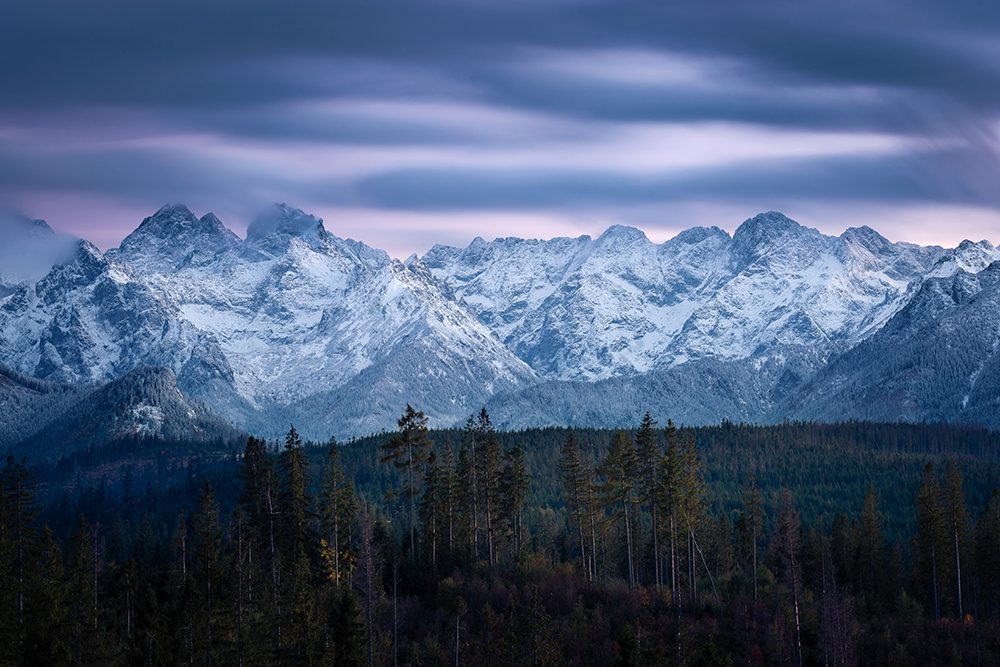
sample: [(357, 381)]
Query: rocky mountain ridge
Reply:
[(293, 324)]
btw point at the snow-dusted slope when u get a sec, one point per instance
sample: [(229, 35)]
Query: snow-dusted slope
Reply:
[(298, 311), (294, 324), (94, 319), (935, 360), (582, 309)]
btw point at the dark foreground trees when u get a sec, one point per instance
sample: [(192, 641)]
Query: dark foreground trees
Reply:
[(604, 549)]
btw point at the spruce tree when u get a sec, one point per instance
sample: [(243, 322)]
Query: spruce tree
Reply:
[(649, 456), (753, 521), (515, 484), (618, 489), (872, 540), (488, 479), (338, 510), (207, 568), (407, 451), (574, 483), (930, 537), (787, 547), (956, 524)]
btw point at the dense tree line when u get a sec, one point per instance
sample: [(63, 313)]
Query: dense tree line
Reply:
[(655, 545)]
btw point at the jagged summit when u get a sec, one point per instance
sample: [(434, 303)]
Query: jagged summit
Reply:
[(283, 220), (766, 230), (86, 265), (293, 322), (868, 238), (178, 222), (618, 236), (696, 235), (174, 238)]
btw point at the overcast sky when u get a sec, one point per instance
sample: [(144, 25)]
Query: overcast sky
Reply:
[(408, 123)]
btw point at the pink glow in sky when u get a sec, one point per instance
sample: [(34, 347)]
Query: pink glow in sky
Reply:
[(412, 123)]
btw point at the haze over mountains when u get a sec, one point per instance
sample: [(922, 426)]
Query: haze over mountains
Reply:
[(293, 324)]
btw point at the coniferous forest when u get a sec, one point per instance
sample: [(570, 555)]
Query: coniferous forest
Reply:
[(794, 544)]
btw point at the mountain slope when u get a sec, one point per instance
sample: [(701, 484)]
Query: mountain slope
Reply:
[(330, 325), (295, 325), (64, 418), (936, 360), (582, 309)]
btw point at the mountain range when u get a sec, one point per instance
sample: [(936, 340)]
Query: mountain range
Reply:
[(295, 325)]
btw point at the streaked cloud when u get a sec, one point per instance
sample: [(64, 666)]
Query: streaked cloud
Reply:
[(557, 117)]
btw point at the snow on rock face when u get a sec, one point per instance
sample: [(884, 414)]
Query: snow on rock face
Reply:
[(92, 319), (173, 239), (582, 309), (294, 322), (968, 256), (297, 311)]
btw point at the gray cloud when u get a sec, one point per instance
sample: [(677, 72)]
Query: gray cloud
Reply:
[(150, 102), (30, 249)]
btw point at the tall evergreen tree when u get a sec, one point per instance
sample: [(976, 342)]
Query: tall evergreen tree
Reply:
[(488, 479), (575, 487), (515, 484), (338, 511), (468, 472), (19, 532), (693, 506), (956, 523), (294, 502), (787, 547), (753, 522), (930, 537), (649, 456), (988, 551), (207, 580), (348, 632), (407, 450), (872, 540), (432, 508), (669, 498), (618, 489)]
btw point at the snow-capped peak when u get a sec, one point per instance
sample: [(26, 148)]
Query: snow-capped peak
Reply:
[(283, 220)]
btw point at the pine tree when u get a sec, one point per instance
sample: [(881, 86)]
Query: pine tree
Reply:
[(787, 547), (669, 497), (367, 579), (86, 640), (432, 508), (930, 535), (465, 492), (530, 640), (293, 501), (488, 473), (575, 485), (468, 471), (988, 548), (450, 491), (618, 490), (338, 510), (207, 568), (19, 532), (956, 523), (753, 516), (348, 632), (692, 505), (872, 540), (649, 456), (47, 607), (515, 484), (407, 450)]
